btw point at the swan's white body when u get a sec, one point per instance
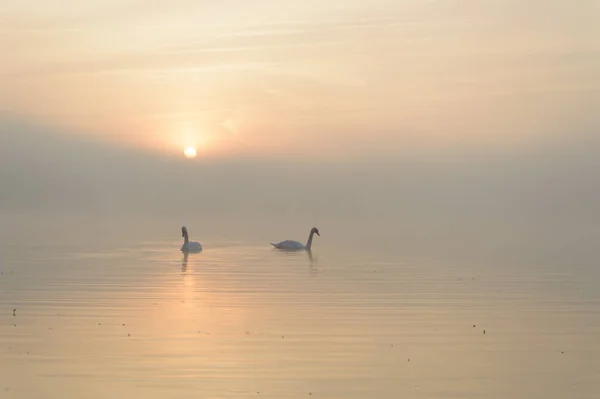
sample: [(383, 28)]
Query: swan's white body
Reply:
[(189, 246), (291, 245)]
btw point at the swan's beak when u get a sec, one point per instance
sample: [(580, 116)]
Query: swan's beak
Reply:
[(318, 233)]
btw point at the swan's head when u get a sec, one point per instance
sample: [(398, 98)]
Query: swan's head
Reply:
[(183, 231), (316, 231)]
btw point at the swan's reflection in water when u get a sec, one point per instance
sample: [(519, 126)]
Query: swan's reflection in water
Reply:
[(312, 260), (297, 254), (184, 262)]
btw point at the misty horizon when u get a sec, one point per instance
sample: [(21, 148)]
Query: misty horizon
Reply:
[(542, 192)]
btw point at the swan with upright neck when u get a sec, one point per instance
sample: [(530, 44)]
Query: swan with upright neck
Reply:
[(292, 245), (189, 246)]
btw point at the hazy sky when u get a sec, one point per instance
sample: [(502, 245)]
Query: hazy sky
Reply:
[(381, 111), (309, 79)]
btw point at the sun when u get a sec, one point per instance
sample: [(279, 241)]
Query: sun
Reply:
[(190, 152)]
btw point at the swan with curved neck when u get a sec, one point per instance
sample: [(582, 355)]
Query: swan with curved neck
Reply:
[(189, 246), (292, 245)]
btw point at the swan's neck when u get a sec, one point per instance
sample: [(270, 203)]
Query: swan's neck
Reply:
[(186, 239), (309, 242)]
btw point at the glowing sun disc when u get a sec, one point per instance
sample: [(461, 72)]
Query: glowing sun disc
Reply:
[(190, 152)]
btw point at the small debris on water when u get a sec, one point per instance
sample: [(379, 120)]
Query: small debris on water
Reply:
[(14, 312)]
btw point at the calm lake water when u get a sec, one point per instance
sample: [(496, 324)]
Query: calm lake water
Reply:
[(239, 320)]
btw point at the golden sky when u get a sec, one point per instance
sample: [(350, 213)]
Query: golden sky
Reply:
[(306, 79)]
